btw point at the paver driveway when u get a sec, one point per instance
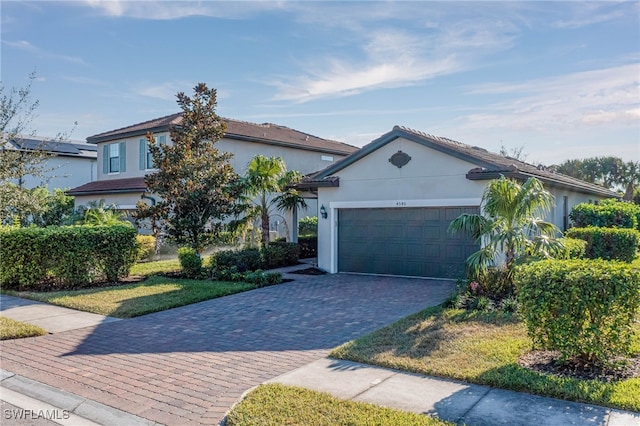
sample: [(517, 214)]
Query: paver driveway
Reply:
[(189, 365)]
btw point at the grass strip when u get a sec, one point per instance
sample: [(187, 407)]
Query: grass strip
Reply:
[(480, 348), (156, 293), (276, 404), (12, 329)]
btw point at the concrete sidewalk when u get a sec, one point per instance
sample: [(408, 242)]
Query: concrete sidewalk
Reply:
[(458, 402), (53, 319)]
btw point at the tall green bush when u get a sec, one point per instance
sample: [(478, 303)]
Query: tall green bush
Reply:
[(190, 262), (607, 214), (608, 243), (582, 308), (574, 248), (68, 256), (308, 226)]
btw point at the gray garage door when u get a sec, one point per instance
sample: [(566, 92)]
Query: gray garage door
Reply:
[(403, 241)]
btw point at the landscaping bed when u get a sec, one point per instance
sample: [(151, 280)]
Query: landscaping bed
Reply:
[(490, 348)]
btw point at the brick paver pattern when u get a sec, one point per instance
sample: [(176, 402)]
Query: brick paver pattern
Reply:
[(189, 365)]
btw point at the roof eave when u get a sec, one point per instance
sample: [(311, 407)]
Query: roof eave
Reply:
[(141, 132), (488, 175)]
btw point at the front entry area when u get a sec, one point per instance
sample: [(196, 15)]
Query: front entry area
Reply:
[(403, 241)]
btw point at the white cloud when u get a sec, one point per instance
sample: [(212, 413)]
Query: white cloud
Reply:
[(28, 47), (590, 98), (166, 10)]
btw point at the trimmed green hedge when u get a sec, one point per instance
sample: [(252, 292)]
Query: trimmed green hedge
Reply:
[(278, 254), (308, 246), (574, 248), (68, 256), (607, 214), (608, 243), (582, 308)]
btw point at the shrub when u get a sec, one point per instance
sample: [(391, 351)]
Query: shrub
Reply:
[(190, 262), (273, 278), (308, 247), (582, 308), (308, 226), (66, 256), (280, 254), (146, 247), (242, 260), (608, 243), (574, 248), (607, 214)]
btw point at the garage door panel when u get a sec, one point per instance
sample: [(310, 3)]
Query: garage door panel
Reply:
[(402, 241)]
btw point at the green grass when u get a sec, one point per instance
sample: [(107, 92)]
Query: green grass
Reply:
[(11, 329), (156, 267), (480, 348), (156, 293), (276, 404)]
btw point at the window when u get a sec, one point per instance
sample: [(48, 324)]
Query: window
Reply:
[(146, 159), (114, 158)]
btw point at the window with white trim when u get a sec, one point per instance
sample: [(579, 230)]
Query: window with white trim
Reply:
[(114, 158)]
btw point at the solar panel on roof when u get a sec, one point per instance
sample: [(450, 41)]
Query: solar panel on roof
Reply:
[(59, 147)]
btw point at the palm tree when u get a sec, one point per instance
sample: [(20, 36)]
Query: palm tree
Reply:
[(264, 178), (510, 226)]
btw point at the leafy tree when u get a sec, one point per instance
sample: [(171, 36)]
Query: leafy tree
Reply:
[(610, 172), (510, 226), (54, 209), (195, 181), (17, 203), (268, 187)]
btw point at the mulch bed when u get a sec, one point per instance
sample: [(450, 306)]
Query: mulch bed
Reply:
[(545, 362), (309, 271)]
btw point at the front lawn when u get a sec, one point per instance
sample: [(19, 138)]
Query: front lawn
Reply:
[(156, 293), (155, 267), (276, 404), (480, 348), (12, 329)]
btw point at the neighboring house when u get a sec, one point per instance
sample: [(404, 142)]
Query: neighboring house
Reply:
[(385, 209), (70, 163), (124, 158)]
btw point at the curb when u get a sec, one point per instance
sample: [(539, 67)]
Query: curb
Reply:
[(19, 391)]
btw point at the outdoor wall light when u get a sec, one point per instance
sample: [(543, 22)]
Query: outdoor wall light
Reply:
[(323, 212)]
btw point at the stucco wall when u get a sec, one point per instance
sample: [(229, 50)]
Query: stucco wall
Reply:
[(304, 161), (64, 172)]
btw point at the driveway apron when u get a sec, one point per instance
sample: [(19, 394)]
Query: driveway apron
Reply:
[(189, 365)]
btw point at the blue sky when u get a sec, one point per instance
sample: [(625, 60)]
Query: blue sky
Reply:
[(560, 79)]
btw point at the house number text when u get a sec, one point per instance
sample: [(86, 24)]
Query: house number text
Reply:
[(401, 204)]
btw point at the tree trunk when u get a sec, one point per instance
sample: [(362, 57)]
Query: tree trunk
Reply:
[(265, 228)]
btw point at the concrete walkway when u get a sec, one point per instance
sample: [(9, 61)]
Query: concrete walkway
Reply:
[(458, 402), (54, 319)]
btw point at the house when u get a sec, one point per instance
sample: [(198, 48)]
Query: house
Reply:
[(124, 159), (385, 209), (67, 165)]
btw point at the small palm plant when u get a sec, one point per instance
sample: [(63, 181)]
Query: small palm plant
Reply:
[(264, 178), (511, 228)]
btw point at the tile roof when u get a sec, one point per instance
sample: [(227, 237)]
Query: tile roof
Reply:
[(264, 133), (135, 184), (489, 165)]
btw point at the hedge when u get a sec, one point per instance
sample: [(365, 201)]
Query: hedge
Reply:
[(574, 248), (608, 243), (308, 246), (582, 308), (146, 247), (278, 254), (607, 214), (66, 256)]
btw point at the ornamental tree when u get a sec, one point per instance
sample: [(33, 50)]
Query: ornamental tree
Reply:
[(195, 182)]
